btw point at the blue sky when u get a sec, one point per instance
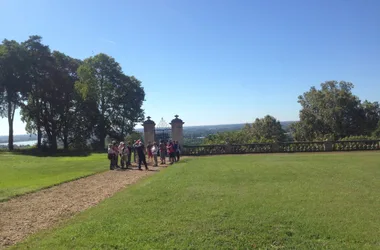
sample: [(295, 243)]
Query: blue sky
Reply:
[(214, 61)]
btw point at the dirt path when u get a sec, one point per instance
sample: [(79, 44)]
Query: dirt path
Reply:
[(27, 214)]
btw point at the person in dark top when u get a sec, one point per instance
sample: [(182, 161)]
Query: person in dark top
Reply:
[(162, 152), (140, 149), (149, 149), (134, 151), (175, 148), (178, 150), (129, 146)]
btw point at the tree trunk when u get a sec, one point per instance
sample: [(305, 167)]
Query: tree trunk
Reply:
[(39, 136), (39, 132), (65, 142), (10, 135), (102, 133), (11, 113), (54, 145), (65, 133), (102, 139)]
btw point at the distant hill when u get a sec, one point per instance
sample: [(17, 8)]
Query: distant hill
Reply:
[(226, 127)]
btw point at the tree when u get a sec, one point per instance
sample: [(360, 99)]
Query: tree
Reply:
[(263, 130), (370, 117), (267, 128), (54, 109), (13, 83), (119, 97), (127, 107), (39, 69), (333, 110), (376, 132), (133, 136), (73, 115)]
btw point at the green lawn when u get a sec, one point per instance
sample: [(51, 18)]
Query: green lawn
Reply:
[(20, 174), (272, 201)]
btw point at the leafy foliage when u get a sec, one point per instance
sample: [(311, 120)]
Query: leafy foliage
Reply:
[(13, 84), (65, 100), (333, 112), (263, 130), (118, 97), (133, 136)]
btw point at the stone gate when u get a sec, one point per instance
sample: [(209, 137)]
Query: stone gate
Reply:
[(163, 131)]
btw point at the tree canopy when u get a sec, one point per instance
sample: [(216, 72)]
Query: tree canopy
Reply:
[(118, 97), (264, 130), (332, 112), (67, 100)]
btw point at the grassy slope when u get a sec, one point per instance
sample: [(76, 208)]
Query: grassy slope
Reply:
[(297, 201), (20, 174)]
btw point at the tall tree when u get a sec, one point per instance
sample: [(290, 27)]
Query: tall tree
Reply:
[(376, 132), (370, 116), (333, 112), (13, 81), (67, 105), (127, 107), (118, 97), (39, 75), (267, 128)]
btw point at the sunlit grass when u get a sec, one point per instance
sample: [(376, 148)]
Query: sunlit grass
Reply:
[(22, 173), (272, 201)]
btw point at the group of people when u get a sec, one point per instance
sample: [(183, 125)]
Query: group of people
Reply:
[(170, 149)]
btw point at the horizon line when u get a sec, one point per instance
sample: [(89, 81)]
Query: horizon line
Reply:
[(224, 124)]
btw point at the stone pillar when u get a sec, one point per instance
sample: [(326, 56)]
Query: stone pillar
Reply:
[(177, 130), (328, 146), (275, 147), (149, 130), (228, 147)]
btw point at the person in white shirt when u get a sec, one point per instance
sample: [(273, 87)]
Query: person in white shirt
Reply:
[(123, 150), (154, 150)]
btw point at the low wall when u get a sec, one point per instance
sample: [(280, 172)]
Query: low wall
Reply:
[(326, 146)]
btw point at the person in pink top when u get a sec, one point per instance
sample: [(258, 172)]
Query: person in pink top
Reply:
[(171, 152)]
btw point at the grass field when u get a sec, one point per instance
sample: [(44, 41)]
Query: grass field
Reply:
[(20, 174), (294, 201)]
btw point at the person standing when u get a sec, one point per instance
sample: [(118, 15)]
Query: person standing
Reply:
[(129, 154), (141, 154), (175, 146), (149, 149), (123, 155), (116, 151), (162, 152), (171, 152), (111, 157), (154, 151), (134, 152), (178, 150)]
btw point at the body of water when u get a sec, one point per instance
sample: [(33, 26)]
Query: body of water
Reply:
[(20, 143)]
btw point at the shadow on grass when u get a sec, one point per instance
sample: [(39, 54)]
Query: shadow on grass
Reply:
[(186, 159), (49, 153)]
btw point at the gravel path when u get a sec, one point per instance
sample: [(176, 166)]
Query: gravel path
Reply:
[(27, 214)]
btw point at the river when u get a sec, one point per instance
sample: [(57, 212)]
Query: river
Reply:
[(20, 143)]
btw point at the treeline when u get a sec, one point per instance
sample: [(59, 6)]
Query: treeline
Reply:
[(76, 102), (329, 113)]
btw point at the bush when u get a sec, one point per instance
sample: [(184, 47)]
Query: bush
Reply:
[(358, 138)]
